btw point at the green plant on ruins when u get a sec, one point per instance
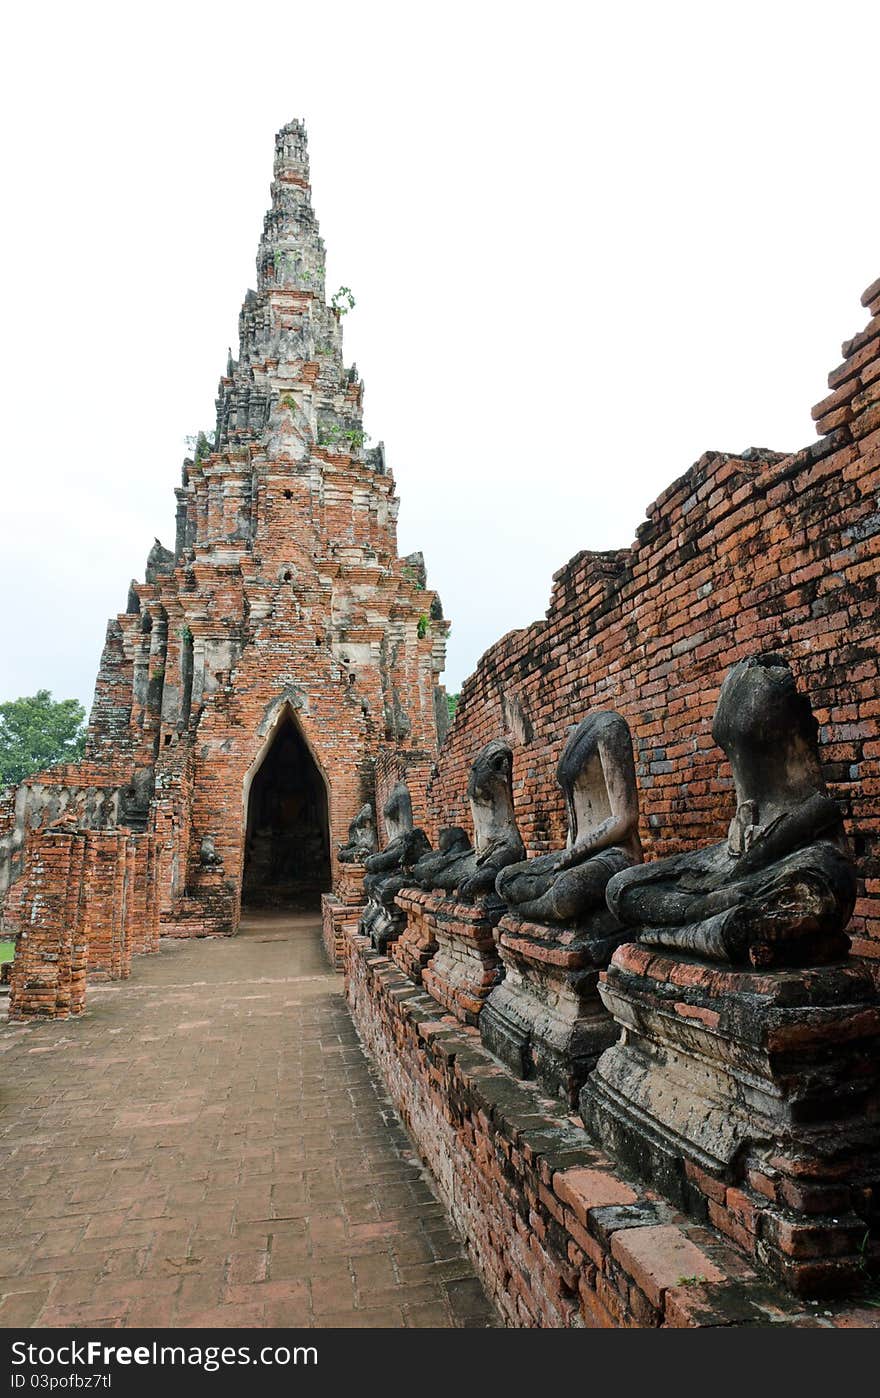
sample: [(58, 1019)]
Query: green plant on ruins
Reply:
[(38, 732), (343, 301), (355, 437), (201, 445), (452, 704), (423, 626)]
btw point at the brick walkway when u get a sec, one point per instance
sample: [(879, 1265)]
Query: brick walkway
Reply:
[(209, 1145)]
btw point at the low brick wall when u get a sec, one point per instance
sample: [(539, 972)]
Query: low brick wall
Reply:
[(336, 919), (340, 909), (560, 1236), (90, 902)]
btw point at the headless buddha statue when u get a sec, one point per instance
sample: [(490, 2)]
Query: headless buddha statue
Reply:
[(781, 888), (468, 872), (597, 776), (362, 841), (452, 843), (388, 871)]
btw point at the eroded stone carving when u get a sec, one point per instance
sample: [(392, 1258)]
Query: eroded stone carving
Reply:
[(545, 1019), (781, 888), (452, 949), (597, 776), (453, 844), (362, 838), (470, 871), (750, 1086), (390, 869), (208, 856)]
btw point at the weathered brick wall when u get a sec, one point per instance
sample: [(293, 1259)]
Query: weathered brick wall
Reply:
[(741, 554), (105, 921), (560, 1236), (89, 900), (48, 978)]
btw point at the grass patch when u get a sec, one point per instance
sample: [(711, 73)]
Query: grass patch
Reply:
[(7, 951)]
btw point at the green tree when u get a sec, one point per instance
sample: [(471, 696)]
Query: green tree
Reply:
[(37, 732), (452, 705)]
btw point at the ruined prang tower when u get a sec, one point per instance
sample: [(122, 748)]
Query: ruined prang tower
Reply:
[(281, 652)]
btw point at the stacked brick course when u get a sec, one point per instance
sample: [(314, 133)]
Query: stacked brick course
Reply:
[(89, 903), (341, 909), (561, 1237), (742, 553)]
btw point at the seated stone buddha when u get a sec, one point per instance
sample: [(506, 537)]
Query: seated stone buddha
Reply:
[(781, 888), (453, 845), (389, 871), (470, 872), (597, 775), (362, 841)]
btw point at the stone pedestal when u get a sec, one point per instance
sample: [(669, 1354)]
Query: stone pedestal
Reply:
[(546, 1020), (384, 926), (340, 908), (417, 943), (753, 1100), (466, 966)]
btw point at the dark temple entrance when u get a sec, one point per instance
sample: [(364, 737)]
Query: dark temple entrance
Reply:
[(287, 846)]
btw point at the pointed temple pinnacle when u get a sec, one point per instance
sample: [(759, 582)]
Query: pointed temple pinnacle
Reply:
[(285, 326), (291, 252)]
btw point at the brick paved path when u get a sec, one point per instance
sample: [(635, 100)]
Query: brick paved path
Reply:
[(209, 1145)]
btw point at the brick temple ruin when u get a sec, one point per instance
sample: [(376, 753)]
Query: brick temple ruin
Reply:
[(626, 1001), (268, 671)]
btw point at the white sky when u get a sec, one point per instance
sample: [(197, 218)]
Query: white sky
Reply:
[(587, 242)]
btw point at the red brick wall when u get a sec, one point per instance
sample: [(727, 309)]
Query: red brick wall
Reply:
[(48, 978), (741, 554), (89, 900), (560, 1237)]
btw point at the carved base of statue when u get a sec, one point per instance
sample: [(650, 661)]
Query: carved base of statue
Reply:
[(546, 1020), (382, 921), (752, 1099), (418, 942), (341, 910), (466, 966)]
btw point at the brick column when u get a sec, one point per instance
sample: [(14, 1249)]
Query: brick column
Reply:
[(109, 957), (48, 975)]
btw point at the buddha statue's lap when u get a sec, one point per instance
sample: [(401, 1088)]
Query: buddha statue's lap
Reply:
[(444, 867)]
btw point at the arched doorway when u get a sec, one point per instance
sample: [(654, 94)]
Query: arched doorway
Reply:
[(287, 841)]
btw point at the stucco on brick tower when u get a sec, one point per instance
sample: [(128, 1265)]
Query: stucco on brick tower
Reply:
[(283, 601)]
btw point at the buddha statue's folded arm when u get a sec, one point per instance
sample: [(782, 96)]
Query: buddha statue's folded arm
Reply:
[(816, 818), (620, 826), (613, 831)]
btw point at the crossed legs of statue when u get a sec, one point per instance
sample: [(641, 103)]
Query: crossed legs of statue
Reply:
[(537, 891), (778, 915)]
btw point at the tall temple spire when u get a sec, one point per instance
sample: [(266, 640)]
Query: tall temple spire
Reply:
[(291, 253), (290, 340), (285, 612)]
